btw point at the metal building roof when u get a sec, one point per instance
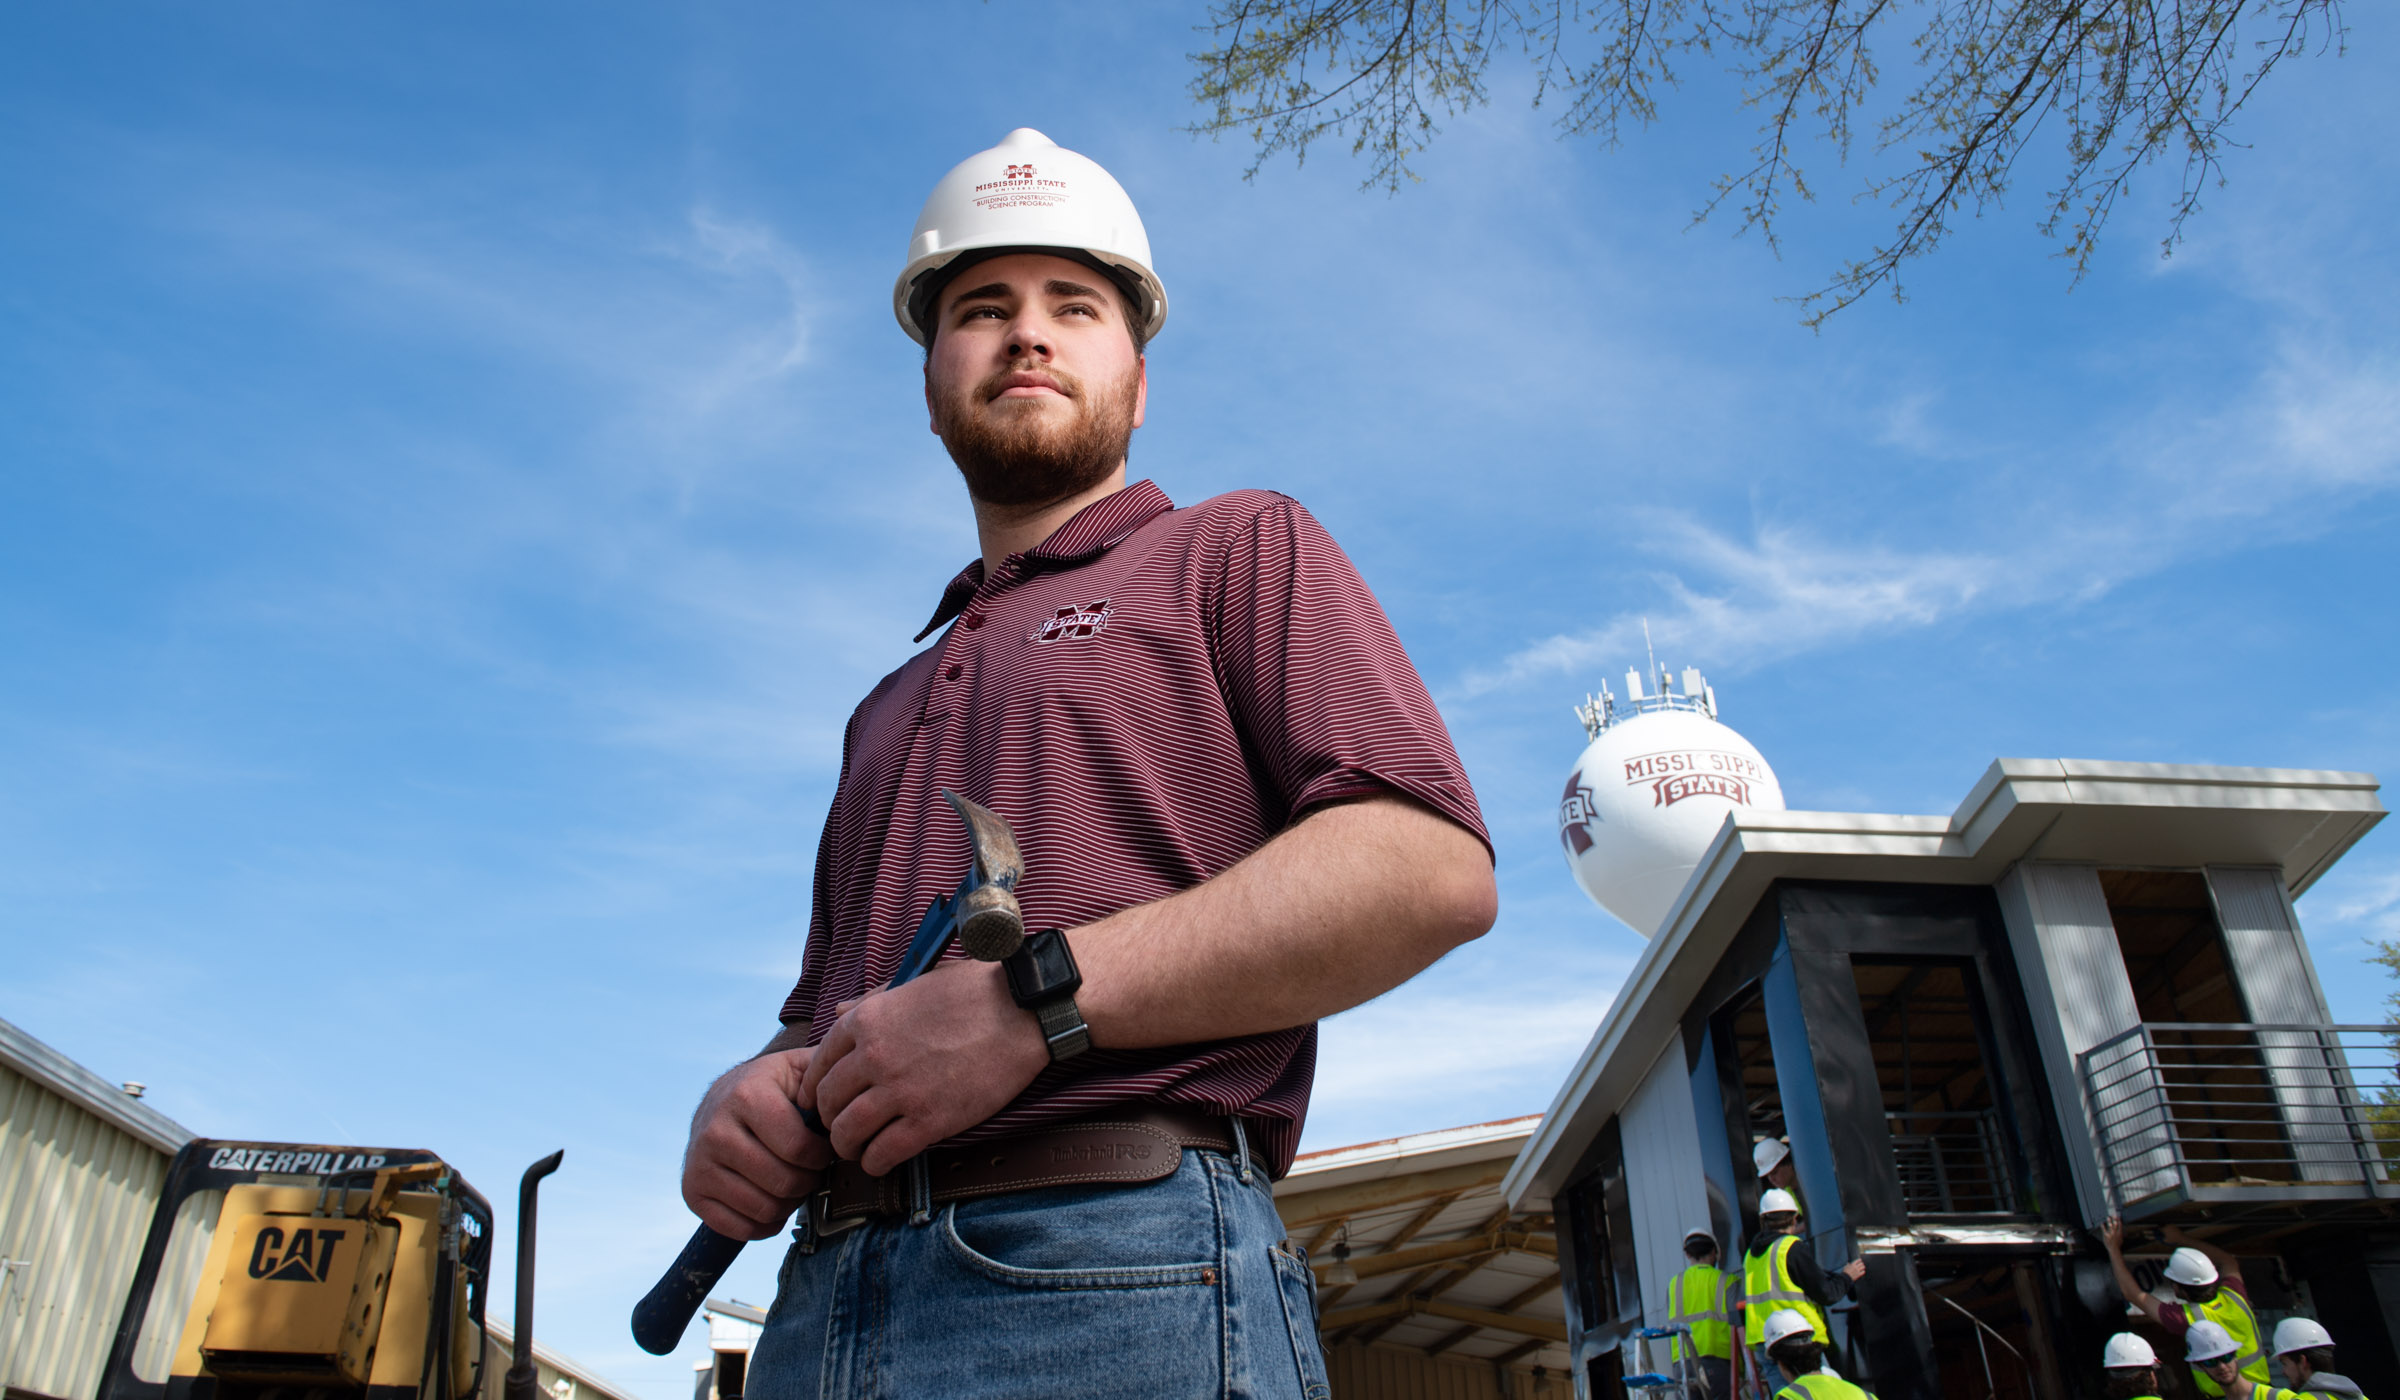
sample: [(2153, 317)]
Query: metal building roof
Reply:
[(2298, 821), (20, 1051), (544, 1360), (1444, 1267)]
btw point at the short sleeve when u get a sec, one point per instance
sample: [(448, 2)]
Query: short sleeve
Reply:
[(1317, 680)]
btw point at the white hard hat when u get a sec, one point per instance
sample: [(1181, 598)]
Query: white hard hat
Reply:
[(2299, 1334), (2190, 1266), (1767, 1154), (2125, 1351), (1701, 1232), (1778, 1201), (1785, 1322), (1028, 192), (2208, 1342)]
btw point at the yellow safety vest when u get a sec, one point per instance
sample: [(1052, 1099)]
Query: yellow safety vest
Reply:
[(2269, 1392), (2231, 1311), (1768, 1288), (1822, 1386), (1696, 1300)]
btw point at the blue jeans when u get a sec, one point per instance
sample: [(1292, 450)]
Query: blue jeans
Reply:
[(1179, 1288)]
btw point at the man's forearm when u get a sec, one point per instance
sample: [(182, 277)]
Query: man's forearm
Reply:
[(1348, 903)]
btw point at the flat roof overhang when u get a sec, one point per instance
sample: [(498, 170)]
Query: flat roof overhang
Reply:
[(2125, 815)]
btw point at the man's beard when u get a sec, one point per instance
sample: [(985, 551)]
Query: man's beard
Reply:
[(1016, 453)]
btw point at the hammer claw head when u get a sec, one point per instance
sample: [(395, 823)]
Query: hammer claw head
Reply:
[(995, 845)]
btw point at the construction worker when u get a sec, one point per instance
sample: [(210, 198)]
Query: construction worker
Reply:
[(2305, 1351), (1773, 1159), (1698, 1301), (1796, 1346), (2132, 1369), (2302, 1346), (2208, 1288), (1781, 1274), (1301, 839)]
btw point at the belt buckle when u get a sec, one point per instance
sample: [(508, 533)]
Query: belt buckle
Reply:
[(820, 1225)]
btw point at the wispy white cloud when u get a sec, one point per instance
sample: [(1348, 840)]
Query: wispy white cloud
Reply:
[(2317, 431)]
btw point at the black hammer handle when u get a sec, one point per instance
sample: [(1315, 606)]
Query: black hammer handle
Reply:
[(661, 1316), (663, 1313)]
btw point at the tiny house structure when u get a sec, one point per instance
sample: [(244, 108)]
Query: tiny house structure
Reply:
[(2083, 992)]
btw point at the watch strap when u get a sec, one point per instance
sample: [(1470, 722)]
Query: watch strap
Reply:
[(1063, 1029)]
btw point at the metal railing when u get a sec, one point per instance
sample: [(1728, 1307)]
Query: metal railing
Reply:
[(1952, 1162), (2198, 1111)]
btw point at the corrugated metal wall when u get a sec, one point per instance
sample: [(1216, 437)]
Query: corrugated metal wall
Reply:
[(2075, 984), (76, 1195), (1663, 1175), (2279, 985), (1395, 1373)]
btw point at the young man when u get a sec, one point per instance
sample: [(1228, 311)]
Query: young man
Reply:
[(1773, 1158), (2131, 1366), (1697, 1300), (2303, 1346), (2208, 1288), (1231, 791), (1780, 1274), (1797, 1347)]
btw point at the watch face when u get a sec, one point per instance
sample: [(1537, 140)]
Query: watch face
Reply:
[(1052, 962), (1044, 967)]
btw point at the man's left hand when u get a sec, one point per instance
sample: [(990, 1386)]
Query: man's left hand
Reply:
[(906, 1068)]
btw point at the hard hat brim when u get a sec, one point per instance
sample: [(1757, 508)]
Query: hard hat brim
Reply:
[(919, 289)]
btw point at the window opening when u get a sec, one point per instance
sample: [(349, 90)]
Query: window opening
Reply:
[(1992, 1332), (1600, 1213), (2205, 1055), (1940, 1103)]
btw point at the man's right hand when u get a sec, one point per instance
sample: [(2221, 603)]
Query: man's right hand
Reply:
[(750, 1159)]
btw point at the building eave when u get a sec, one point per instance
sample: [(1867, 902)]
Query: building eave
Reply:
[(45, 1066)]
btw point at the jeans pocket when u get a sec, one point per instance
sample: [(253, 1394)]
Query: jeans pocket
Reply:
[(1051, 1275), (1298, 1288)]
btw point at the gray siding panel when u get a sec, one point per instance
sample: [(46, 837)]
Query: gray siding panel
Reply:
[(1663, 1175), (2279, 985), (2074, 978)]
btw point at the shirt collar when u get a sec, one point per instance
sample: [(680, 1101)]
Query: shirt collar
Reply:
[(1093, 530)]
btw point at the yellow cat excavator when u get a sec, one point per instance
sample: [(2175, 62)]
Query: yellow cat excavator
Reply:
[(290, 1271)]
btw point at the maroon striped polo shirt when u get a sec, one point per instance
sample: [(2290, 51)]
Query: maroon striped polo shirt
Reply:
[(1147, 696)]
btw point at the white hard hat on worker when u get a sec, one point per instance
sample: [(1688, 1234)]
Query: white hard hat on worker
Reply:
[(2126, 1352), (1028, 194), (2190, 1268), (1785, 1322)]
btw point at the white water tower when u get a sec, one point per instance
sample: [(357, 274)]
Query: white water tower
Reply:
[(1651, 790)]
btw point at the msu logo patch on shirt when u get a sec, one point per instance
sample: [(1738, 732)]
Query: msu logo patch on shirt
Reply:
[(1073, 622)]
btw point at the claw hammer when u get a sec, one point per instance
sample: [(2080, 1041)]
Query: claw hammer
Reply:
[(982, 916)]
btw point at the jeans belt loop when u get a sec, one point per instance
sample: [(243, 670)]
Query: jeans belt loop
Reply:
[(1241, 1145), (920, 1191)]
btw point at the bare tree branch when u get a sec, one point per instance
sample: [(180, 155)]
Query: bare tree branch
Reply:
[(2128, 80)]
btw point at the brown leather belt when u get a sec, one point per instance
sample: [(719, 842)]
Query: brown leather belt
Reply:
[(1109, 1149)]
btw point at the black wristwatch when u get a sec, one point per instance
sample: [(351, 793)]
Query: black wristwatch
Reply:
[(1043, 978)]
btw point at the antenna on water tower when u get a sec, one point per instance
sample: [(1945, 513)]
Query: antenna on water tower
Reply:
[(1652, 789)]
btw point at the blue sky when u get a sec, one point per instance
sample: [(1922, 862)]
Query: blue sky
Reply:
[(458, 471)]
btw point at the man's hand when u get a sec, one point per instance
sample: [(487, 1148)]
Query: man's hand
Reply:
[(2112, 1234), (904, 1069), (1855, 1270), (750, 1159)]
